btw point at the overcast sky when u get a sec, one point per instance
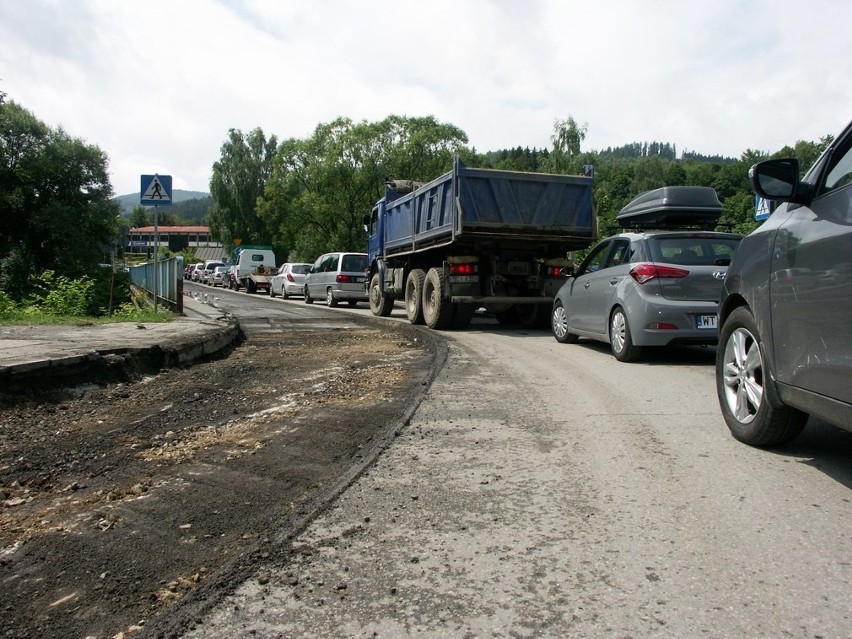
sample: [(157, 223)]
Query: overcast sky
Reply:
[(157, 84)]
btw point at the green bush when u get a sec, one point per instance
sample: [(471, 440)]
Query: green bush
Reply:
[(57, 295), (106, 279), (7, 304)]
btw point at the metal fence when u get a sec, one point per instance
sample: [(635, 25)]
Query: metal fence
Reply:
[(162, 280)]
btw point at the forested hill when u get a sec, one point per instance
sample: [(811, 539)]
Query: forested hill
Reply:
[(131, 200), (189, 206)]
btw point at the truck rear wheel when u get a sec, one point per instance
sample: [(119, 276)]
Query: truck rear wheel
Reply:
[(381, 305), (250, 287), (414, 296), (437, 311), (533, 315)]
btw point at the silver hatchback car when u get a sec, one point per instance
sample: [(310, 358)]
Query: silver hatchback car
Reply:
[(648, 288), (290, 280)]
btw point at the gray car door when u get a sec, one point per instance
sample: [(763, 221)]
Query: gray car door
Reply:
[(590, 290), (811, 287)]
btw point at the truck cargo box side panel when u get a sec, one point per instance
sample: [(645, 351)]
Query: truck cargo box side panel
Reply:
[(424, 218), (399, 224), (435, 209)]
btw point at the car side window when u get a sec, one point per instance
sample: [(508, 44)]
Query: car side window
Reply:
[(620, 253), (840, 174), (595, 260)]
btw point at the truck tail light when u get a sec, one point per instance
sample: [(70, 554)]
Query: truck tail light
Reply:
[(553, 271), (464, 269), (645, 272)]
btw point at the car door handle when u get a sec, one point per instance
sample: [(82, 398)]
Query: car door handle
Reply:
[(613, 281), (587, 285)]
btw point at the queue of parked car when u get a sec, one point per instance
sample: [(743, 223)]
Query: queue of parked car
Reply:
[(776, 302), (334, 277)]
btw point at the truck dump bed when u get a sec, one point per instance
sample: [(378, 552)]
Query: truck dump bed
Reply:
[(480, 205)]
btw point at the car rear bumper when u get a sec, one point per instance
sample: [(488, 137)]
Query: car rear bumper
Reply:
[(351, 292), (668, 322)]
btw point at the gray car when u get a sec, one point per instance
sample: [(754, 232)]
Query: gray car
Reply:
[(337, 276), (649, 287), (785, 340)]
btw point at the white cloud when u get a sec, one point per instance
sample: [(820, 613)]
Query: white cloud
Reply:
[(157, 84)]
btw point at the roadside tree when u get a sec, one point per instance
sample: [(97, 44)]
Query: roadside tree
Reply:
[(321, 187), (239, 178), (55, 201)]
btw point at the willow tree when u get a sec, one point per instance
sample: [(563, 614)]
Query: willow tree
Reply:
[(567, 137)]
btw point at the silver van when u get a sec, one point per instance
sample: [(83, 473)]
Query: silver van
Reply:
[(337, 277)]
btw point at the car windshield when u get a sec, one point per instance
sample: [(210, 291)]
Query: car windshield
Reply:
[(352, 263), (693, 250), (300, 269)]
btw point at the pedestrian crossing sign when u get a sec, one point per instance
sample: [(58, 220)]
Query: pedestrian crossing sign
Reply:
[(156, 190), (762, 208)]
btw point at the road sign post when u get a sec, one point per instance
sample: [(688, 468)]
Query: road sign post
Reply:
[(156, 190)]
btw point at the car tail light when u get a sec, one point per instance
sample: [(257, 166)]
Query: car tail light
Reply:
[(290, 277), (344, 279), (662, 326), (464, 269), (646, 272)]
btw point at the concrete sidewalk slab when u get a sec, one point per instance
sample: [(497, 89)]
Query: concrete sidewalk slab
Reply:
[(57, 354)]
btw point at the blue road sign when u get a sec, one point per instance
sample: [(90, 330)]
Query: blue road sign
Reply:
[(156, 190), (762, 208)]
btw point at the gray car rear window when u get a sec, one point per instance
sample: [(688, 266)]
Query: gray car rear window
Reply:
[(692, 250), (352, 263)]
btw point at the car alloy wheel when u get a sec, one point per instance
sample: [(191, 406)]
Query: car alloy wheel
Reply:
[(753, 412), (743, 376), (621, 339), (559, 324)]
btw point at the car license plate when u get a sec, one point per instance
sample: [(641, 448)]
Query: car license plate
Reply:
[(705, 321)]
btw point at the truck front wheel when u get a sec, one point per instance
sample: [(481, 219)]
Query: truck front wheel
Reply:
[(414, 296), (437, 311), (381, 305)]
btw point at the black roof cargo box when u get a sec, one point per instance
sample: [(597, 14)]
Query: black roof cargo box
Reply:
[(673, 207)]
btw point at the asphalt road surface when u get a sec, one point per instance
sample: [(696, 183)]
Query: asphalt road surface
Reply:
[(546, 490)]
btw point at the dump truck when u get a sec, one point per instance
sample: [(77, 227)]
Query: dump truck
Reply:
[(476, 238)]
